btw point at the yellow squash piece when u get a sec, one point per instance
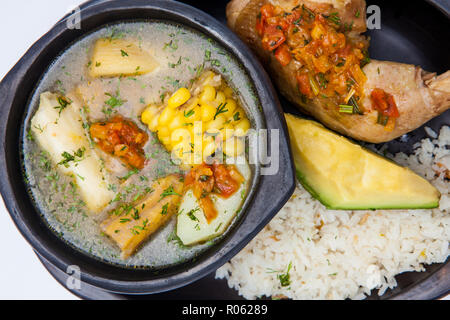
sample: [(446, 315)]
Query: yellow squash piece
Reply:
[(343, 175), (152, 213), (59, 130), (116, 57)]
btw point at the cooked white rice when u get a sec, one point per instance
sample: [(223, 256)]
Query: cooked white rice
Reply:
[(346, 254)]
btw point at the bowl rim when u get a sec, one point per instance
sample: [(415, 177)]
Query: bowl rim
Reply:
[(251, 222)]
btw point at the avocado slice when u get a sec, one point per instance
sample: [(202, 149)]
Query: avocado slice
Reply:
[(342, 175)]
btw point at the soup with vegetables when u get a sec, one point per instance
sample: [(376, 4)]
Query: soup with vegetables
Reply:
[(134, 144)]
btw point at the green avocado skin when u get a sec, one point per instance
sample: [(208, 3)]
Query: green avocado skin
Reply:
[(328, 203)]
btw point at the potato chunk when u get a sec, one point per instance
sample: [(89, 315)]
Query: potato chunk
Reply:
[(115, 57), (131, 229)]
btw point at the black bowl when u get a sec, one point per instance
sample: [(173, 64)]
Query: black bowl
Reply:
[(269, 192)]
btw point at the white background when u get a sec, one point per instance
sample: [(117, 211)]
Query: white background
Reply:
[(22, 276)]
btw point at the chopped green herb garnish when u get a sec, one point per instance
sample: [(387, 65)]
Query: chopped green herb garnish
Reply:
[(191, 215), (382, 119), (308, 11), (164, 209), (76, 157), (218, 227), (129, 174), (220, 109), (285, 278), (173, 65), (323, 82), (169, 192), (172, 45), (334, 18), (216, 63), (113, 102), (207, 55), (189, 113), (63, 103)]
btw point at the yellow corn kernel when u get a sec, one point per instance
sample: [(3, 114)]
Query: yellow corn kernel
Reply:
[(198, 129), (242, 127), (215, 134), (163, 131), (164, 140), (228, 92), (208, 94), (227, 132), (168, 146), (193, 102), (192, 114), (181, 135), (166, 116), (177, 122), (206, 78), (230, 107), (209, 147), (146, 116), (233, 147), (181, 149), (238, 115), (153, 125), (197, 116), (177, 151), (220, 97), (208, 112), (216, 124), (179, 98)]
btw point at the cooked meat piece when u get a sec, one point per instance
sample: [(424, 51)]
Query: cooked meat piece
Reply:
[(311, 79)]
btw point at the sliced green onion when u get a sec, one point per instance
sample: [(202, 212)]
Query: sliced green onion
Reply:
[(343, 108), (382, 119), (350, 95), (356, 108), (314, 86)]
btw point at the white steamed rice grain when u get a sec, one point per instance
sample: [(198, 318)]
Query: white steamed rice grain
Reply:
[(346, 254)]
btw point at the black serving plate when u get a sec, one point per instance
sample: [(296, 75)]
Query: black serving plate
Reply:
[(416, 32)]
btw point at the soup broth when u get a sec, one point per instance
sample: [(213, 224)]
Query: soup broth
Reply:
[(181, 55)]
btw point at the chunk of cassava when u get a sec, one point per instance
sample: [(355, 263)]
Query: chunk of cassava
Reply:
[(118, 57), (129, 230), (58, 128)]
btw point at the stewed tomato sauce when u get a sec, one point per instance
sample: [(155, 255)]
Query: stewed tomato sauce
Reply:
[(121, 138), (219, 179)]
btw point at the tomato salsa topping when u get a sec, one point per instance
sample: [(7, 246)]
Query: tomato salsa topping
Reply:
[(385, 104), (330, 61), (218, 179), (121, 138)]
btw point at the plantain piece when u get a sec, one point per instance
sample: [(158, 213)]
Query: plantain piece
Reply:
[(419, 95), (343, 175), (130, 230), (58, 128), (119, 57)]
